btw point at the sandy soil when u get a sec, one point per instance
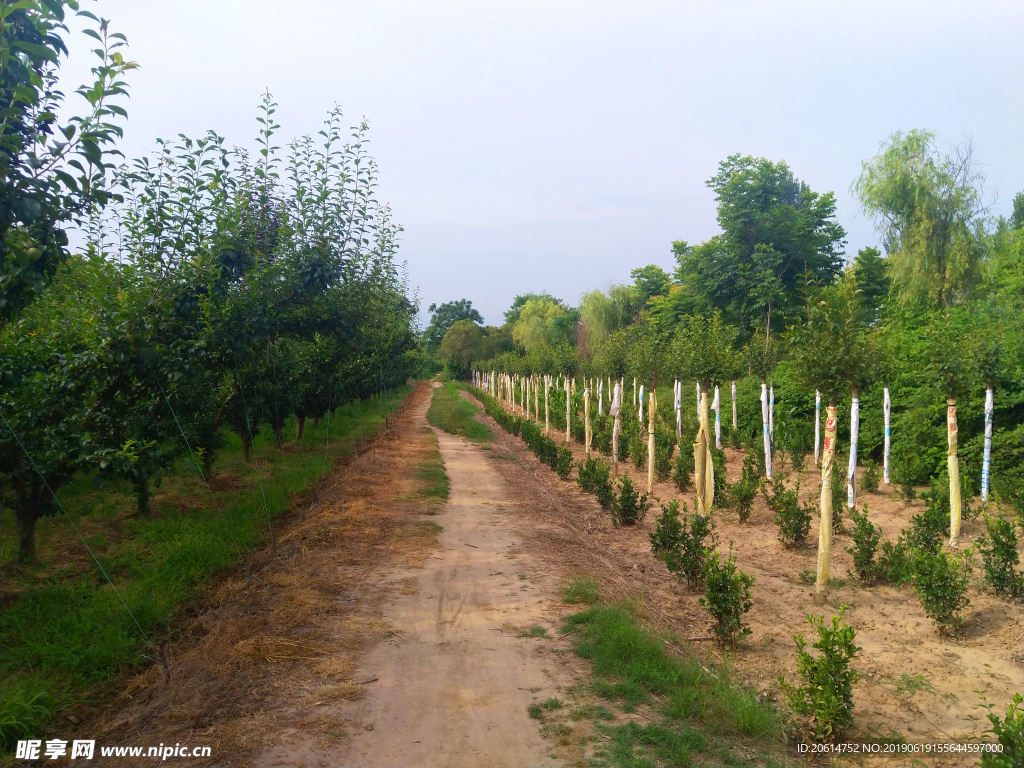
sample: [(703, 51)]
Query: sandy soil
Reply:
[(926, 687)]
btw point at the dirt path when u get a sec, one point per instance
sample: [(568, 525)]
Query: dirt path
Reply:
[(454, 689)]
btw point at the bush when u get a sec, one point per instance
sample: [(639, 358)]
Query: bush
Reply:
[(866, 537), (1000, 556), (664, 447), (602, 426), (682, 470), (593, 477), (563, 462), (630, 508), (668, 531), (682, 544), (838, 497), (726, 598), (794, 521), (870, 479), (896, 563), (1009, 734), (826, 697), (637, 448), (941, 581), (929, 528), (743, 492)]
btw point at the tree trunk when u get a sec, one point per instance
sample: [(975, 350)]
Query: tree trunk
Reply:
[(986, 461), (617, 424), (953, 463), (817, 426), (300, 426), (568, 401), (586, 417), (825, 524), (142, 497), (26, 520), (703, 470), (316, 421), (547, 412), (766, 431), (208, 463), (886, 412), (278, 436), (735, 422), (652, 405), (851, 469)]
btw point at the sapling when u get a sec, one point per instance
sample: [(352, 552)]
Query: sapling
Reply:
[(941, 580), (726, 598), (825, 700), (866, 537), (631, 507), (1001, 555)]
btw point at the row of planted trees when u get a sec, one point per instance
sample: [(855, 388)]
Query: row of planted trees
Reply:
[(830, 350), (213, 291)]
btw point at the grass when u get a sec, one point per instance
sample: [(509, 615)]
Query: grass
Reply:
[(435, 479), (703, 711), (455, 415), (581, 589), (65, 633)]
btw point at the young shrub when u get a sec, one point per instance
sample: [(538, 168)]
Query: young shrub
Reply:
[(631, 507), (744, 490), (871, 477), (896, 563), (866, 537), (682, 470), (563, 462), (838, 496), (637, 448), (941, 582), (929, 528), (1000, 555), (793, 520), (1009, 735), (726, 598), (684, 544), (825, 700), (664, 447), (718, 464), (603, 426), (668, 532)]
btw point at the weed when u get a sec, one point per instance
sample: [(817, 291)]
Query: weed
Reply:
[(538, 631), (866, 536), (631, 507), (1000, 556), (552, 704), (588, 711), (535, 711), (793, 520), (941, 581), (726, 598), (826, 697), (908, 685), (435, 479), (581, 589)]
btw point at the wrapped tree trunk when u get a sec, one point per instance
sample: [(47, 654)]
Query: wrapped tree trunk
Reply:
[(886, 412), (547, 412), (652, 409), (825, 524), (616, 406), (986, 461), (640, 411), (586, 417), (851, 469), (771, 410), (634, 391), (600, 397), (735, 421), (536, 398), (704, 475), (677, 405), (765, 431), (698, 401), (568, 406), (953, 464), (717, 405), (817, 426)]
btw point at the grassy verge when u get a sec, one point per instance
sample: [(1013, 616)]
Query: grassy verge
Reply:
[(431, 472), (65, 633), (706, 717), (455, 415)]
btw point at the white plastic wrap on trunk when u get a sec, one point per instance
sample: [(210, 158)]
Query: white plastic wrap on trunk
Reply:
[(986, 461), (640, 413), (851, 467), (817, 426), (614, 411), (764, 429), (587, 434), (652, 409), (886, 413), (677, 405), (771, 411), (698, 401), (717, 405), (568, 405), (735, 423), (600, 397)]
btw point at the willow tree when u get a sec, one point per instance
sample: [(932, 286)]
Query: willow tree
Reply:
[(831, 350), (710, 359)]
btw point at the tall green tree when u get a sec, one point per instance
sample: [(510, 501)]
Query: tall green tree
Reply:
[(444, 316), (929, 210)]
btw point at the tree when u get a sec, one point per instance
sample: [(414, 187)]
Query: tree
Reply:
[(460, 346), (774, 228), (1017, 219), (444, 316), (928, 208), (831, 350), (512, 313), (543, 322), (650, 281), (871, 273), (51, 175)]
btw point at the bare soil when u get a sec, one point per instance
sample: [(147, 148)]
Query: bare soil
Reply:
[(917, 684)]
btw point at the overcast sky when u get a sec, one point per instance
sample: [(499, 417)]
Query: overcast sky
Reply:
[(556, 146)]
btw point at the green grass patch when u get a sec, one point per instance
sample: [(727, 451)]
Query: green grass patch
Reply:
[(65, 633), (581, 590), (431, 472), (455, 415), (703, 711)]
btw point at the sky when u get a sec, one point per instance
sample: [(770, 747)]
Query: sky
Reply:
[(554, 146)]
